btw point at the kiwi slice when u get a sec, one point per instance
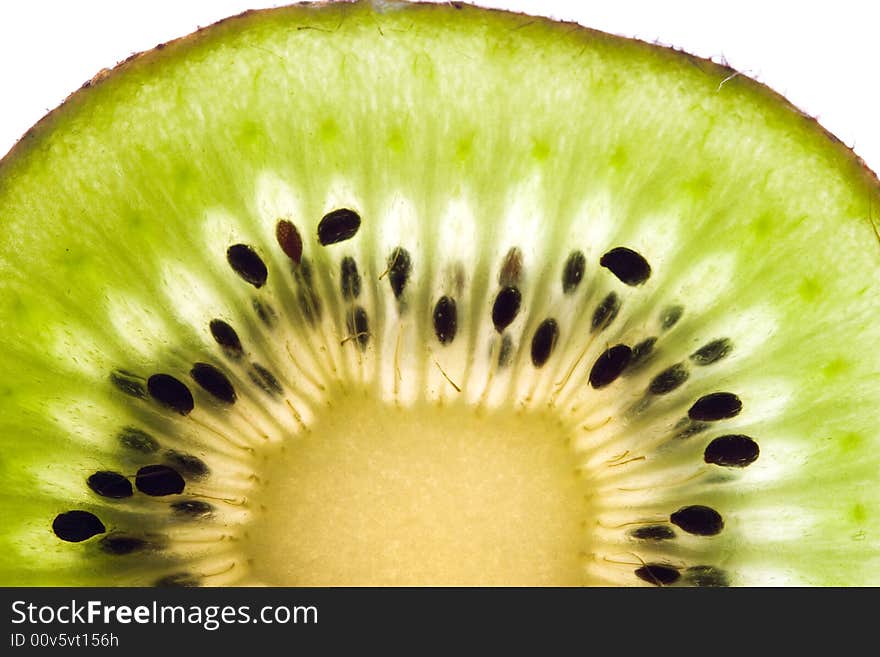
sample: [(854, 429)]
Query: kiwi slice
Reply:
[(427, 294)]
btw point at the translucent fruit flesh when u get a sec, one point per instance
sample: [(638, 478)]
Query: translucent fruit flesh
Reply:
[(381, 495), (554, 193)]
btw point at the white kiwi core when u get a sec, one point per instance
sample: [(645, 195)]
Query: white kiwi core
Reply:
[(376, 494)]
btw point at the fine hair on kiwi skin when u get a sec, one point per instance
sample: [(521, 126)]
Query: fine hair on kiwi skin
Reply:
[(587, 344)]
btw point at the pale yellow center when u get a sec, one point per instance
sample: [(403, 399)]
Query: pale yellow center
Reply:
[(427, 495)]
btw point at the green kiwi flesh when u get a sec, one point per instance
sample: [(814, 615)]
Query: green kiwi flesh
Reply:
[(426, 294)]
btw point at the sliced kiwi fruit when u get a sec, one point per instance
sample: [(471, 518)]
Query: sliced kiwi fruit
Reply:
[(427, 294)]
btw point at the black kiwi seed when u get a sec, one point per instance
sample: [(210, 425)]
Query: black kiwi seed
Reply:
[(653, 533), (706, 576), (609, 365), (359, 326), (193, 509), (668, 380), (511, 269), (399, 269), (715, 406), (698, 520), (110, 484), (670, 316), (128, 383), (159, 480), (505, 352), (445, 320), (213, 381), (76, 526), (265, 312), (338, 226), (247, 264), (712, 352), (351, 279), (171, 393), (138, 440), (605, 312), (289, 240), (265, 379), (641, 353), (573, 272), (506, 307), (630, 267), (658, 574), (188, 464), (225, 336), (733, 451), (544, 341), (120, 544), (178, 580)]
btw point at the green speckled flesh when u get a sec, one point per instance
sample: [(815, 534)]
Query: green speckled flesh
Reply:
[(456, 134)]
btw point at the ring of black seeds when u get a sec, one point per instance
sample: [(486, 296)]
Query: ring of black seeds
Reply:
[(339, 225)]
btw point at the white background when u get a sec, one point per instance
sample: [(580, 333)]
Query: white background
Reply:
[(822, 56)]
